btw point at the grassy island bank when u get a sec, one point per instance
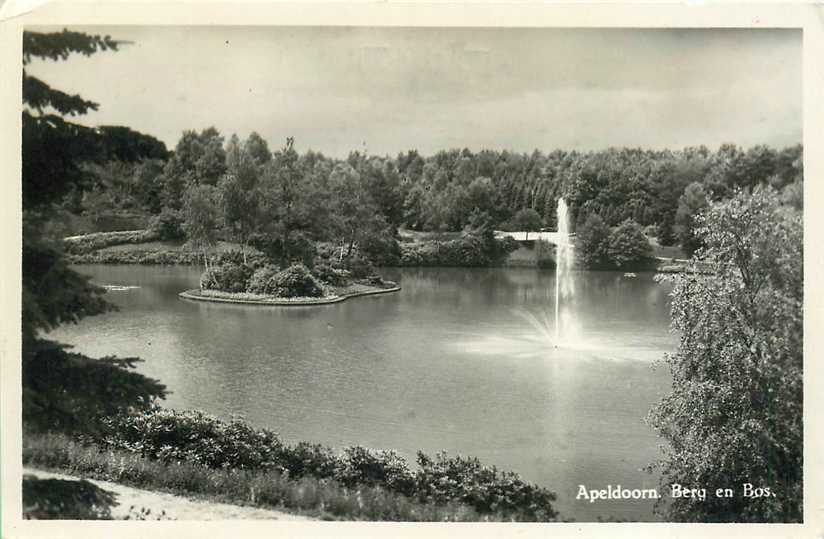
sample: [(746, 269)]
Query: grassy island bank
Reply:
[(336, 295)]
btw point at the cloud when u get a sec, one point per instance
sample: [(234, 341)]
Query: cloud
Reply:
[(431, 88)]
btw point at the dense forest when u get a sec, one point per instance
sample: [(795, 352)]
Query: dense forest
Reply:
[(240, 190)]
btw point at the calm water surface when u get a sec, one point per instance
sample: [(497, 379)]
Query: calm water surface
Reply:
[(456, 361)]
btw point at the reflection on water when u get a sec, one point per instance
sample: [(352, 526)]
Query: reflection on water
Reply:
[(454, 361)]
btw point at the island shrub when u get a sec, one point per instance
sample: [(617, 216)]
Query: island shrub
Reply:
[(331, 275), (297, 281), (299, 248), (168, 224), (253, 259), (628, 247), (227, 277), (262, 280), (359, 266)]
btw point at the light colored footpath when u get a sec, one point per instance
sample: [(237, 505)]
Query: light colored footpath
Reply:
[(132, 500)]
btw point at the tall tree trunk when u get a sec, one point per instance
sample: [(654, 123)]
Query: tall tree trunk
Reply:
[(351, 244), (284, 246)]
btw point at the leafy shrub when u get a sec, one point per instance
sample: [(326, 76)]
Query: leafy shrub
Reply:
[(193, 436), (167, 225), (262, 488), (301, 248), (238, 257), (296, 281), (308, 459), (363, 466), (359, 266), (331, 275), (628, 247), (198, 438), (486, 489), (262, 280), (227, 277)]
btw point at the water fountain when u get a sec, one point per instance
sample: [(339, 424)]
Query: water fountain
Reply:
[(564, 258), (543, 333)]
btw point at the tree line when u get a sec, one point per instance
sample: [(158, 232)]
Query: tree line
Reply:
[(243, 191)]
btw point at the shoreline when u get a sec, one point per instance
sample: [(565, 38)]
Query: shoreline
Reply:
[(195, 295)]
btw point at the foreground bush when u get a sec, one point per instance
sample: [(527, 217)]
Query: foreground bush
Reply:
[(193, 437), (486, 489), (268, 489)]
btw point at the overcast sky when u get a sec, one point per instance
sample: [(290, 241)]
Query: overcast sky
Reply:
[(338, 89)]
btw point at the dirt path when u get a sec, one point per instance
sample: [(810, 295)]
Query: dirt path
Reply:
[(132, 500)]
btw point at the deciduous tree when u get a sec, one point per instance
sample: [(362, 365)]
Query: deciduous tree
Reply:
[(734, 415)]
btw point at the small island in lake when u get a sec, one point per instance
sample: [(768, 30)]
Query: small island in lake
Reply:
[(266, 284)]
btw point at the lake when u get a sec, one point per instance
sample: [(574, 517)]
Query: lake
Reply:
[(460, 360)]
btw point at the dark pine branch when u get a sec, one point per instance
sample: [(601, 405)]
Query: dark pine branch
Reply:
[(59, 45), (39, 95)]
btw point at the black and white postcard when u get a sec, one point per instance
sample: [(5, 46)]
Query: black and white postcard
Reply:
[(372, 269)]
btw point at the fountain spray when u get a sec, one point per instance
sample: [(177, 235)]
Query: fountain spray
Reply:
[(563, 264)]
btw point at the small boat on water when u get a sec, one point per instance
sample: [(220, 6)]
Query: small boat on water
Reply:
[(630, 275)]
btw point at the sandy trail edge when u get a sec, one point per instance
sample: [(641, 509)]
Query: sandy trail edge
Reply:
[(176, 507)]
